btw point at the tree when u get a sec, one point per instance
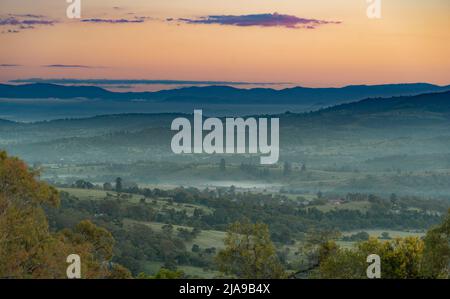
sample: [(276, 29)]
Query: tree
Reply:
[(24, 237), (107, 186), (317, 246), (361, 236), (385, 236), (345, 264), (82, 184), (436, 259), (287, 169), (303, 167), (249, 253), (27, 247), (119, 272), (195, 248), (101, 240), (222, 165), (119, 185), (400, 259), (167, 229), (163, 273)]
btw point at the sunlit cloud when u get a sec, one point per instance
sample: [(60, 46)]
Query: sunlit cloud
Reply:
[(67, 66), (261, 20), (15, 23), (9, 65), (136, 19)]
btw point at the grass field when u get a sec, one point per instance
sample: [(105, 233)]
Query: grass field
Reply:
[(160, 203), (206, 239), (392, 233)]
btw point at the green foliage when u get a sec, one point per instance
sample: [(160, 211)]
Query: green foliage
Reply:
[(86, 232), (343, 264), (119, 185), (27, 247), (173, 219), (163, 273), (249, 253), (436, 259), (401, 258), (361, 236), (316, 247), (119, 272), (222, 165), (385, 236)]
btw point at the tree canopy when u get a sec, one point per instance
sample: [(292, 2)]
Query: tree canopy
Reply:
[(28, 249), (249, 253)]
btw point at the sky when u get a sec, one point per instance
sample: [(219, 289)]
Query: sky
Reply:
[(310, 43)]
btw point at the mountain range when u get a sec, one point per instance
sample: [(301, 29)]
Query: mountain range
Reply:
[(414, 125), (223, 94)]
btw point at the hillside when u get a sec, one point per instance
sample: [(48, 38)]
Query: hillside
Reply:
[(398, 124), (222, 94), (430, 102)]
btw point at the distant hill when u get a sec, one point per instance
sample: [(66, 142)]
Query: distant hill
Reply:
[(224, 94), (355, 131), (41, 90), (406, 111), (430, 102), (393, 108), (4, 122)]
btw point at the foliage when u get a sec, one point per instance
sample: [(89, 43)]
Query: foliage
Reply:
[(401, 258), (27, 248), (436, 259), (163, 273), (249, 253), (361, 236)]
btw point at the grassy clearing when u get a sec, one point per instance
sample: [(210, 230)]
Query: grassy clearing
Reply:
[(208, 239), (376, 233), (392, 233), (159, 203), (85, 194)]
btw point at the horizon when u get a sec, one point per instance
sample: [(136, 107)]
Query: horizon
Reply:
[(151, 86)]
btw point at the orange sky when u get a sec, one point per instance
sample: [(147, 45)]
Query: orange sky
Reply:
[(410, 43)]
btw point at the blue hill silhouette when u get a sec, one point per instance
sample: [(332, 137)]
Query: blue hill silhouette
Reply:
[(223, 94)]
